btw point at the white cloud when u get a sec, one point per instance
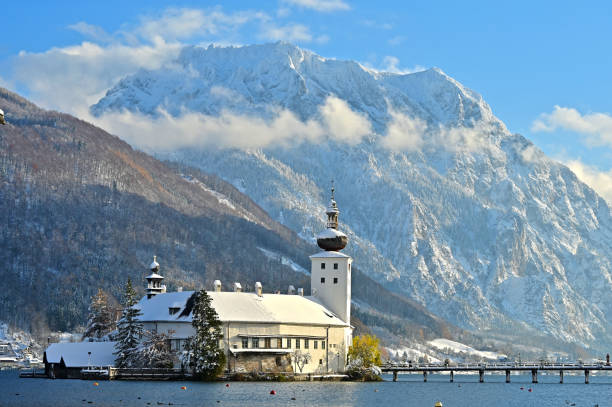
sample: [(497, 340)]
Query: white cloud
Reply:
[(375, 24), (406, 133), (600, 181), (230, 130), (290, 32), (175, 23), (392, 64), (72, 77), (596, 127), (343, 123), (92, 31), (320, 5), (397, 40)]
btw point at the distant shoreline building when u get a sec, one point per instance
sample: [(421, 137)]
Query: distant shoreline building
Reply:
[(265, 332)]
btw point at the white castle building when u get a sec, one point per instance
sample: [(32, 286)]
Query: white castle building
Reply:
[(261, 332), (265, 332)]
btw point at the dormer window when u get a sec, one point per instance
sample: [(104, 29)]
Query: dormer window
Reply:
[(173, 310)]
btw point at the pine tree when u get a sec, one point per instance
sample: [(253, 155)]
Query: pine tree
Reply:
[(203, 353), (101, 317), (129, 331)]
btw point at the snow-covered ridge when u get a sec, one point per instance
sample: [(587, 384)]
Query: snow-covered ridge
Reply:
[(284, 260), (495, 236)]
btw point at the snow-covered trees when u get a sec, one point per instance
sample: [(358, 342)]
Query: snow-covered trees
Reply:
[(155, 351), (129, 330), (202, 352), (101, 319)]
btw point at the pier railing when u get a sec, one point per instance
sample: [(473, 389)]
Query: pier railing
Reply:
[(507, 367)]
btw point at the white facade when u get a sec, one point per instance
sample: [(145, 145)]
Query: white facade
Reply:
[(258, 327), (330, 282)]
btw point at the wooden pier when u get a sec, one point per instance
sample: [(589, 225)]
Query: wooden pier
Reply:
[(507, 368)]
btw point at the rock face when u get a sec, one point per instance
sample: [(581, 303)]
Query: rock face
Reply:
[(473, 222)]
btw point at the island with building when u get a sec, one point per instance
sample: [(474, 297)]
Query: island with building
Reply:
[(261, 333)]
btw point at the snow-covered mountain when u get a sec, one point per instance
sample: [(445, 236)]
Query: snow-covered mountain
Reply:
[(441, 202)]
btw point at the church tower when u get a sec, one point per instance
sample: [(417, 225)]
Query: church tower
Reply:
[(330, 273), (154, 280)]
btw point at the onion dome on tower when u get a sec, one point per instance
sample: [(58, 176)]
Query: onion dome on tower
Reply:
[(331, 239)]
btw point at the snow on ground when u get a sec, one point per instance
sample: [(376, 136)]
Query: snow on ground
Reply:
[(437, 350), (284, 260), (18, 342), (451, 347)]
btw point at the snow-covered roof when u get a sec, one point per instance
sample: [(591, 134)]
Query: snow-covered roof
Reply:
[(330, 233), (243, 307), (75, 353), (154, 275), (330, 254)]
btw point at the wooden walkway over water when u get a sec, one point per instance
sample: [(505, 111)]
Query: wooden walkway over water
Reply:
[(507, 368)]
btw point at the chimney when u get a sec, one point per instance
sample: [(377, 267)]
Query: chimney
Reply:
[(217, 286), (291, 290), (258, 289), (179, 289), (237, 288), (301, 292)]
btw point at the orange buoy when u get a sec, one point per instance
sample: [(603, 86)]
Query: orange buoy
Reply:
[(272, 392), (96, 384), (183, 387)]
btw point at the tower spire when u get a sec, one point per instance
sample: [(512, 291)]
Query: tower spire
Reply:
[(332, 210), (332, 239)]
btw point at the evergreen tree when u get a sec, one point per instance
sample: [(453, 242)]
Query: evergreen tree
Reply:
[(101, 319), (129, 330), (202, 352)]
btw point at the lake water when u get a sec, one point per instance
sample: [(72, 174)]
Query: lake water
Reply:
[(408, 391)]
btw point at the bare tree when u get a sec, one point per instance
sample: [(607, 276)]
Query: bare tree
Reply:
[(300, 359)]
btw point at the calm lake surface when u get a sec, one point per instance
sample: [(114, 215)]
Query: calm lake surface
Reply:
[(408, 391)]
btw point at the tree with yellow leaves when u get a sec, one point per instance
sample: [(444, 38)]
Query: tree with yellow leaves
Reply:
[(365, 352)]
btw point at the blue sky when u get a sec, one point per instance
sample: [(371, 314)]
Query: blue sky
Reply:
[(525, 58)]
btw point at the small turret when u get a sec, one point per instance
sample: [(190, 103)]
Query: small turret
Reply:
[(154, 280)]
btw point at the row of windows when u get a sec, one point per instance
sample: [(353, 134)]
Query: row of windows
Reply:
[(335, 266), (266, 343), (323, 266), (323, 280)]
